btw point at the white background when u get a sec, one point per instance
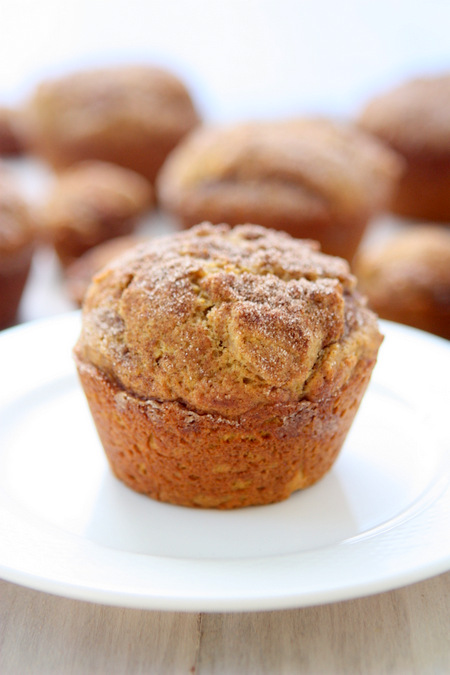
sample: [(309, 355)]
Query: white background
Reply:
[(242, 58)]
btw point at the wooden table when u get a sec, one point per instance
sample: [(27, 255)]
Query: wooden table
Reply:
[(406, 631)]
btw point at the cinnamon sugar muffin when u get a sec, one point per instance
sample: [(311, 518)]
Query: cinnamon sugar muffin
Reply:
[(407, 278), (223, 367), (10, 139), (90, 203), (310, 177), (16, 249), (79, 274), (414, 120), (129, 115)]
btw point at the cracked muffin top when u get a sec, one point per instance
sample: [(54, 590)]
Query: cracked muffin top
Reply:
[(309, 167), (132, 115), (226, 320)]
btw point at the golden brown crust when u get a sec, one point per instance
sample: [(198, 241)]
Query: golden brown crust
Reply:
[(176, 455), (413, 120), (407, 278), (90, 203), (310, 177), (257, 340), (129, 115), (16, 249)]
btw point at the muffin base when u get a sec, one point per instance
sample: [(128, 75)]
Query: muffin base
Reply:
[(12, 284), (336, 238), (172, 454), (424, 191), (144, 155), (70, 245), (407, 310)]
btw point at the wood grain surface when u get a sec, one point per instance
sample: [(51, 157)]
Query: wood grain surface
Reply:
[(404, 632)]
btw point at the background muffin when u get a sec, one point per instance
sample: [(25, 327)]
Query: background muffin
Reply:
[(129, 115), (90, 203), (224, 367), (16, 249), (310, 177), (414, 119), (11, 143), (78, 275), (407, 278)]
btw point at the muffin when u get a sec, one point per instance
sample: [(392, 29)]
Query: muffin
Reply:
[(79, 274), (90, 203), (414, 120), (10, 140), (312, 178), (128, 115), (407, 278), (16, 249), (224, 366)]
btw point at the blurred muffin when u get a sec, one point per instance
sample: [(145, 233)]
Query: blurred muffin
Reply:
[(90, 203), (310, 177), (11, 143), (414, 119), (407, 278), (223, 367), (16, 249), (129, 115), (78, 275)]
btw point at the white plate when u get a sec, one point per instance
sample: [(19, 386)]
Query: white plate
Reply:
[(380, 519)]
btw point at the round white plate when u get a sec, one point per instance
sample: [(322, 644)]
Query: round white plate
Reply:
[(380, 519)]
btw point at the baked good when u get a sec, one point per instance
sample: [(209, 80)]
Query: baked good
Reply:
[(10, 139), (407, 278), (78, 275), (129, 115), (313, 178), (223, 367), (413, 119), (16, 249), (89, 203)]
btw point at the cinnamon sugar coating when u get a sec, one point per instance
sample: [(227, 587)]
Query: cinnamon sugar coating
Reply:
[(310, 177), (90, 203), (407, 278), (257, 343), (413, 120), (131, 115)]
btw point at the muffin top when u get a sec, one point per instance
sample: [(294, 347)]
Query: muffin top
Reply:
[(16, 229), (129, 99), (413, 117), (310, 166), (226, 320), (411, 267), (93, 192)]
